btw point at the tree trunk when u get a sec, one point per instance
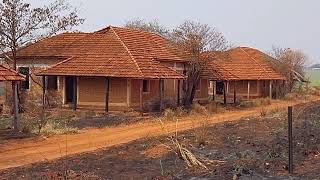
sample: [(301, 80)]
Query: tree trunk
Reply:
[(16, 121), (193, 94), (15, 100)]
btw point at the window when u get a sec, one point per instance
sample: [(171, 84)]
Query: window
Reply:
[(52, 83), (25, 84), (2, 89), (146, 86)]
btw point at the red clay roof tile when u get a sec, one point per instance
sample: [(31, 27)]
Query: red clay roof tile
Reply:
[(242, 64), (111, 52), (7, 74)]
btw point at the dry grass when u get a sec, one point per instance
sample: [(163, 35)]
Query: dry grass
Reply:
[(199, 109), (175, 146), (263, 111)]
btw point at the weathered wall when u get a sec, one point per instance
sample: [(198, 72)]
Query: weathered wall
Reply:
[(257, 89), (92, 92)]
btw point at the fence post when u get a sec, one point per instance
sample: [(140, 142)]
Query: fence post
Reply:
[(290, 109)]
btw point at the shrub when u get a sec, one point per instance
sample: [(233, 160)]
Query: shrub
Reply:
[(201, 131), (169, 114), (180, 112), (199, 109)]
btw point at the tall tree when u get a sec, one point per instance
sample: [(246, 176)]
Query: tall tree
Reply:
[(151, 26), (196, 38), (291, 63), (20, 23)]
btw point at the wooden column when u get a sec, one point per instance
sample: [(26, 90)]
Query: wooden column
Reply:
[(107, 94), (227, 87), (224, 94), (178, 98), (161, 93), (75, 93), (43, 92), (270, 89), (235, 92), (214, 90), (141, 96), (277, 88), (248, 90)]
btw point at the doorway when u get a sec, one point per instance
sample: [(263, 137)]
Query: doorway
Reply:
[(219, 88), (69, 85)]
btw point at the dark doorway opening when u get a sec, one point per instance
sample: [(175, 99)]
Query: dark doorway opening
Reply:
[(69, 89), (220, 86)]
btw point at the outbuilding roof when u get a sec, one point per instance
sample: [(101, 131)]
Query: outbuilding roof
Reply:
[(111, 52), (241, 63), (7, 74)]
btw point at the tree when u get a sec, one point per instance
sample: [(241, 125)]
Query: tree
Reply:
[(20, 23), (152, 26), (291, 63), (196, 38)]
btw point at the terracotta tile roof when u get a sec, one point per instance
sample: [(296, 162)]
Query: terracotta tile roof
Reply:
[(111, 52), (242, 63), (7, 74)]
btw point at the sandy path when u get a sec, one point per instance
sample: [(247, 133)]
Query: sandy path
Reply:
[(14, 153)]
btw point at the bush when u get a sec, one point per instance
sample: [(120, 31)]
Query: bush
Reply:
[(199, 109), (169, 115), (180, 112)]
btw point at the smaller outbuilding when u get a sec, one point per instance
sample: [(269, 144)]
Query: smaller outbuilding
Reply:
[(7, 74), (243, 73)]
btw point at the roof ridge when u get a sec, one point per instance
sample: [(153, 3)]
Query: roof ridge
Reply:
[(256, 62), (61, 62), (127, 49)]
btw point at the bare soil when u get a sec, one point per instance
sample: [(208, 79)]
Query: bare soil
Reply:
[(237, 142)]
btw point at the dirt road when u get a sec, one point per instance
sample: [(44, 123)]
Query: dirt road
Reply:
[(16, 153)]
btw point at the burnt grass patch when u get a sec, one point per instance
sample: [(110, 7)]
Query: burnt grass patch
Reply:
[(251, 148)]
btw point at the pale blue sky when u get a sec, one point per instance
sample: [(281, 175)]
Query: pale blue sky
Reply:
[(255, 23)]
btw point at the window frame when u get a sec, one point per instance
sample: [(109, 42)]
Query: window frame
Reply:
[(56, 88), (28, 78), (147, 86)]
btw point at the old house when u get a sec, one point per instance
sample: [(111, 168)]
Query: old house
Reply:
[(243, 73), (114, 68)]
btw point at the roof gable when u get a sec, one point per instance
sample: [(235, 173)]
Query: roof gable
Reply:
[(243, 64)]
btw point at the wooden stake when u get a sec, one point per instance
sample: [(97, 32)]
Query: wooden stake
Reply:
[(290, 110), (248, 90)]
